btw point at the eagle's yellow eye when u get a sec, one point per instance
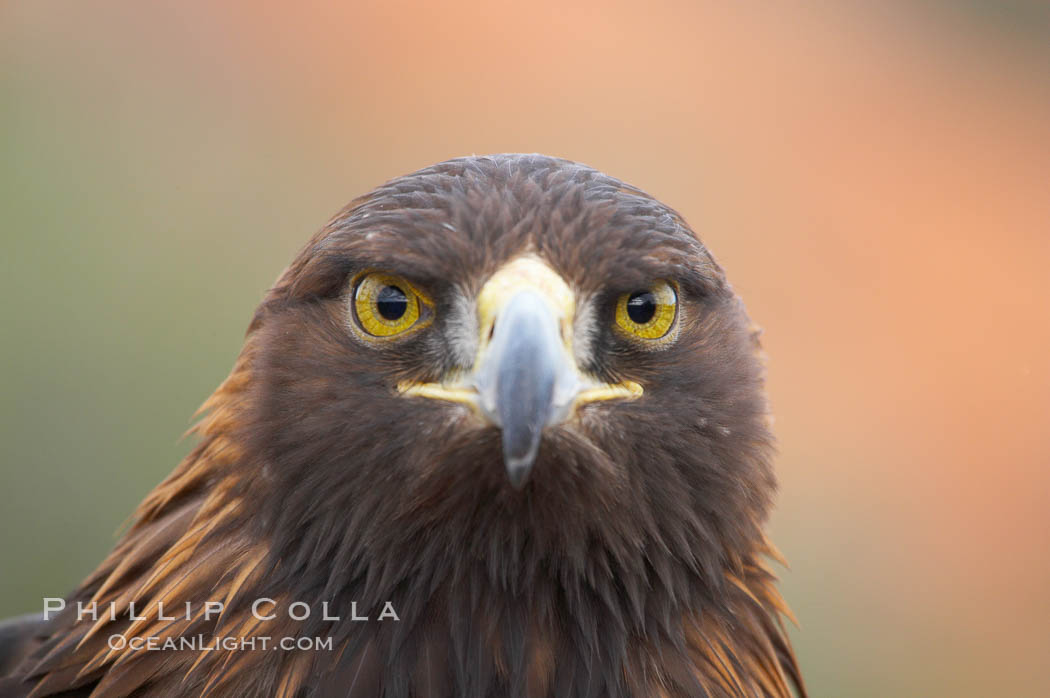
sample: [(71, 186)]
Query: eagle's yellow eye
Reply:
[(648, 313), (386, 305)]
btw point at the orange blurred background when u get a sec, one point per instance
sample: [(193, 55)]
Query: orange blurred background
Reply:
[(875, 178)]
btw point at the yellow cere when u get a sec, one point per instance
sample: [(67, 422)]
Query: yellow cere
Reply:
[(527, 272), (664, 300), (398, 313)]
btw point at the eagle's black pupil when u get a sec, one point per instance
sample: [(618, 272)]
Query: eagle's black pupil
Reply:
[(641, 307), (391, 303)]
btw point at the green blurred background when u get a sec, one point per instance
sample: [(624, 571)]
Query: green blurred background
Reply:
[(875, 177)]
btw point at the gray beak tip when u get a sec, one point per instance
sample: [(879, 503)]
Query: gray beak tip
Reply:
[(518, 470)]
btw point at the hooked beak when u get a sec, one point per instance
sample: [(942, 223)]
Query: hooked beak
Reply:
[(525, 377), (525, 381)]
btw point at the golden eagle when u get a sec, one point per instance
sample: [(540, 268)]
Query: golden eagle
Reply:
[(507, 408)]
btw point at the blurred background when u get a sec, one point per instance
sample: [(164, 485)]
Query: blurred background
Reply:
[(875, 177)]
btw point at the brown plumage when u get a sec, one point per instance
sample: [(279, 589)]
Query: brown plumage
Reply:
[(625, 557)]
